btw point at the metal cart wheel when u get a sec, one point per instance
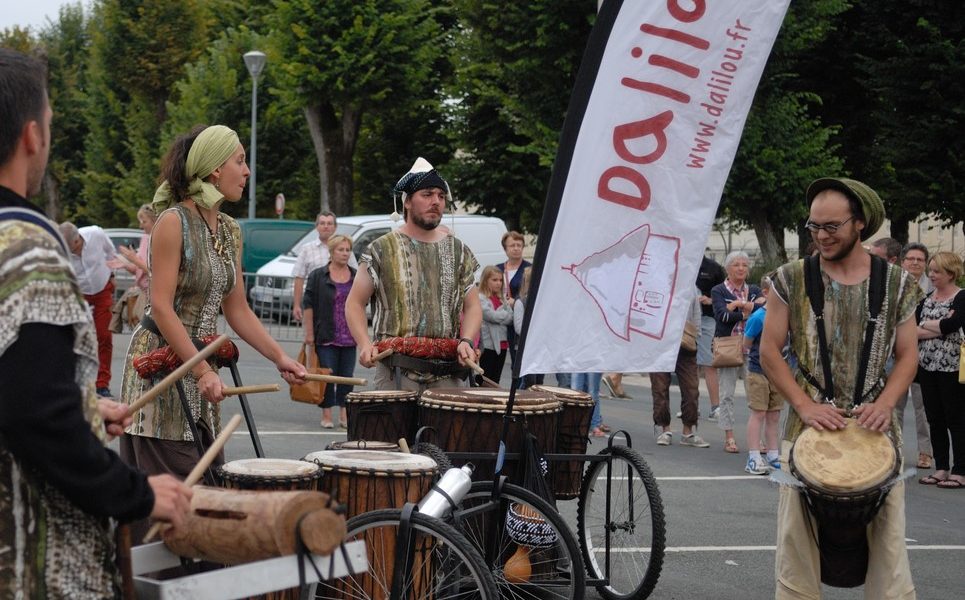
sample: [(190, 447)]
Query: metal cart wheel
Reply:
[(444, 563), (620, 524), (557, 570)]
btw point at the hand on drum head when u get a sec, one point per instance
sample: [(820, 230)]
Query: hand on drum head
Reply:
[(116, 417), (874, 416), (822, 416), (172, 499)]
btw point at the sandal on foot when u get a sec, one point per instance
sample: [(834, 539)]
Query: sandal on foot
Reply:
[(950, 484), (597, 432), (327, 425), (924, 461), (606, 428), (931, 480), (730, 446)]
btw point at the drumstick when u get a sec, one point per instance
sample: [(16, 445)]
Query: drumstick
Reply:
[(476, 368), (250, 389), (198, 471), (383, 354), (176, 374), (489, 382), (404, 446), (336, 379)]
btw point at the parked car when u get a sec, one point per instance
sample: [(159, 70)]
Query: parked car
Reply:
[(274, 286), (123, 279), (264, 239)]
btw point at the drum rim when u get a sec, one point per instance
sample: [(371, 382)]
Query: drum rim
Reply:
[(833, 493), (419, 463), (223, 468), (548, 407), (390, 446), (577, 397), (367, 396)]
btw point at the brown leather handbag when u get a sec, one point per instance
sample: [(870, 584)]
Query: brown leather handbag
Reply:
[(310, 392), (728, 351)]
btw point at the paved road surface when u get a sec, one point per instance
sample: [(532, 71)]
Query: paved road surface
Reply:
[(720, 521)]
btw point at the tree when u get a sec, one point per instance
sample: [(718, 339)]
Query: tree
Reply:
[(67, 44), (895, 85), (785, 145), (346, 59), (216, 88), (138, 51), (516, 64)]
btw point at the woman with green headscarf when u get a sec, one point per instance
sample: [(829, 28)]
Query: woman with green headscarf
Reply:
[(195, 274)]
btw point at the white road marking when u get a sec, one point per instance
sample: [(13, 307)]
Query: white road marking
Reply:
[(335, 432), (755, 548)]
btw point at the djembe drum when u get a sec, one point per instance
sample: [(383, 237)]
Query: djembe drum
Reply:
[(574, 429), (366, 480), (381, 415), (471, 420), (271, 474), (846, 475)]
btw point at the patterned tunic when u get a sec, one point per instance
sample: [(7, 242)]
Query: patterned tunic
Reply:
[(846, 317), (204, 278), (419, 286), (49, 548)]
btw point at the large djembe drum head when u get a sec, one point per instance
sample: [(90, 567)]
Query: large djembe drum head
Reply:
[(854, 459), (270, 474)]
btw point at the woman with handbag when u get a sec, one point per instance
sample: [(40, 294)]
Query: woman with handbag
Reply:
[(941, 316), (323, 316), (195, 259), (734, 301)]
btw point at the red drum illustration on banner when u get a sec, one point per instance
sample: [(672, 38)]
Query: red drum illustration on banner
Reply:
[(632, 282)]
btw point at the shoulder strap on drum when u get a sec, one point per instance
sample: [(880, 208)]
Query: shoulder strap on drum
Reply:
[(814, 288), (876, 297)]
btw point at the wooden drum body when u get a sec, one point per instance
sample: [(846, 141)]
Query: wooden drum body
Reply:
[(471, 420), (381, 415), (846, 475), (574, 430), (366, 480), (239, 526)]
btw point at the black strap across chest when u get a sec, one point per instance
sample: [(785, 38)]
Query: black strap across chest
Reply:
[(814, 287)]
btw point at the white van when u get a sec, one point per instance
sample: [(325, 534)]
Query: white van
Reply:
[(274, 283)]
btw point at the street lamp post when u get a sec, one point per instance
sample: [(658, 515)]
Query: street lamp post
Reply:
[(255, 61)]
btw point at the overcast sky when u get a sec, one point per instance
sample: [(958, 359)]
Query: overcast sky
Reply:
[(32, 13)]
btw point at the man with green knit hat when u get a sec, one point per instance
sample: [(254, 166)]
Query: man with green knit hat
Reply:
[(848, 381)]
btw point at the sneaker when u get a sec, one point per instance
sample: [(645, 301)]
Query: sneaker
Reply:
[(679, 414), (104, 392), (713, 413), (775, 464), (755, 468), (664, 438), (694, 440)]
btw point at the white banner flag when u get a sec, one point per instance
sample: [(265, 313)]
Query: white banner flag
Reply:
[(653, 126)]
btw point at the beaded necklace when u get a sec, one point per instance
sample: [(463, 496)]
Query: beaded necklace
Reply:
[(220, 248)]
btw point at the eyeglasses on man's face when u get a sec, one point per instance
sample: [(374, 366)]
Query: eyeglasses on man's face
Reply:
[(831, 228)]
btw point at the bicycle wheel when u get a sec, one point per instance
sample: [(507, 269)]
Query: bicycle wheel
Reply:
[(556, 570), (444, 564), (435, 453), (636, 527)]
